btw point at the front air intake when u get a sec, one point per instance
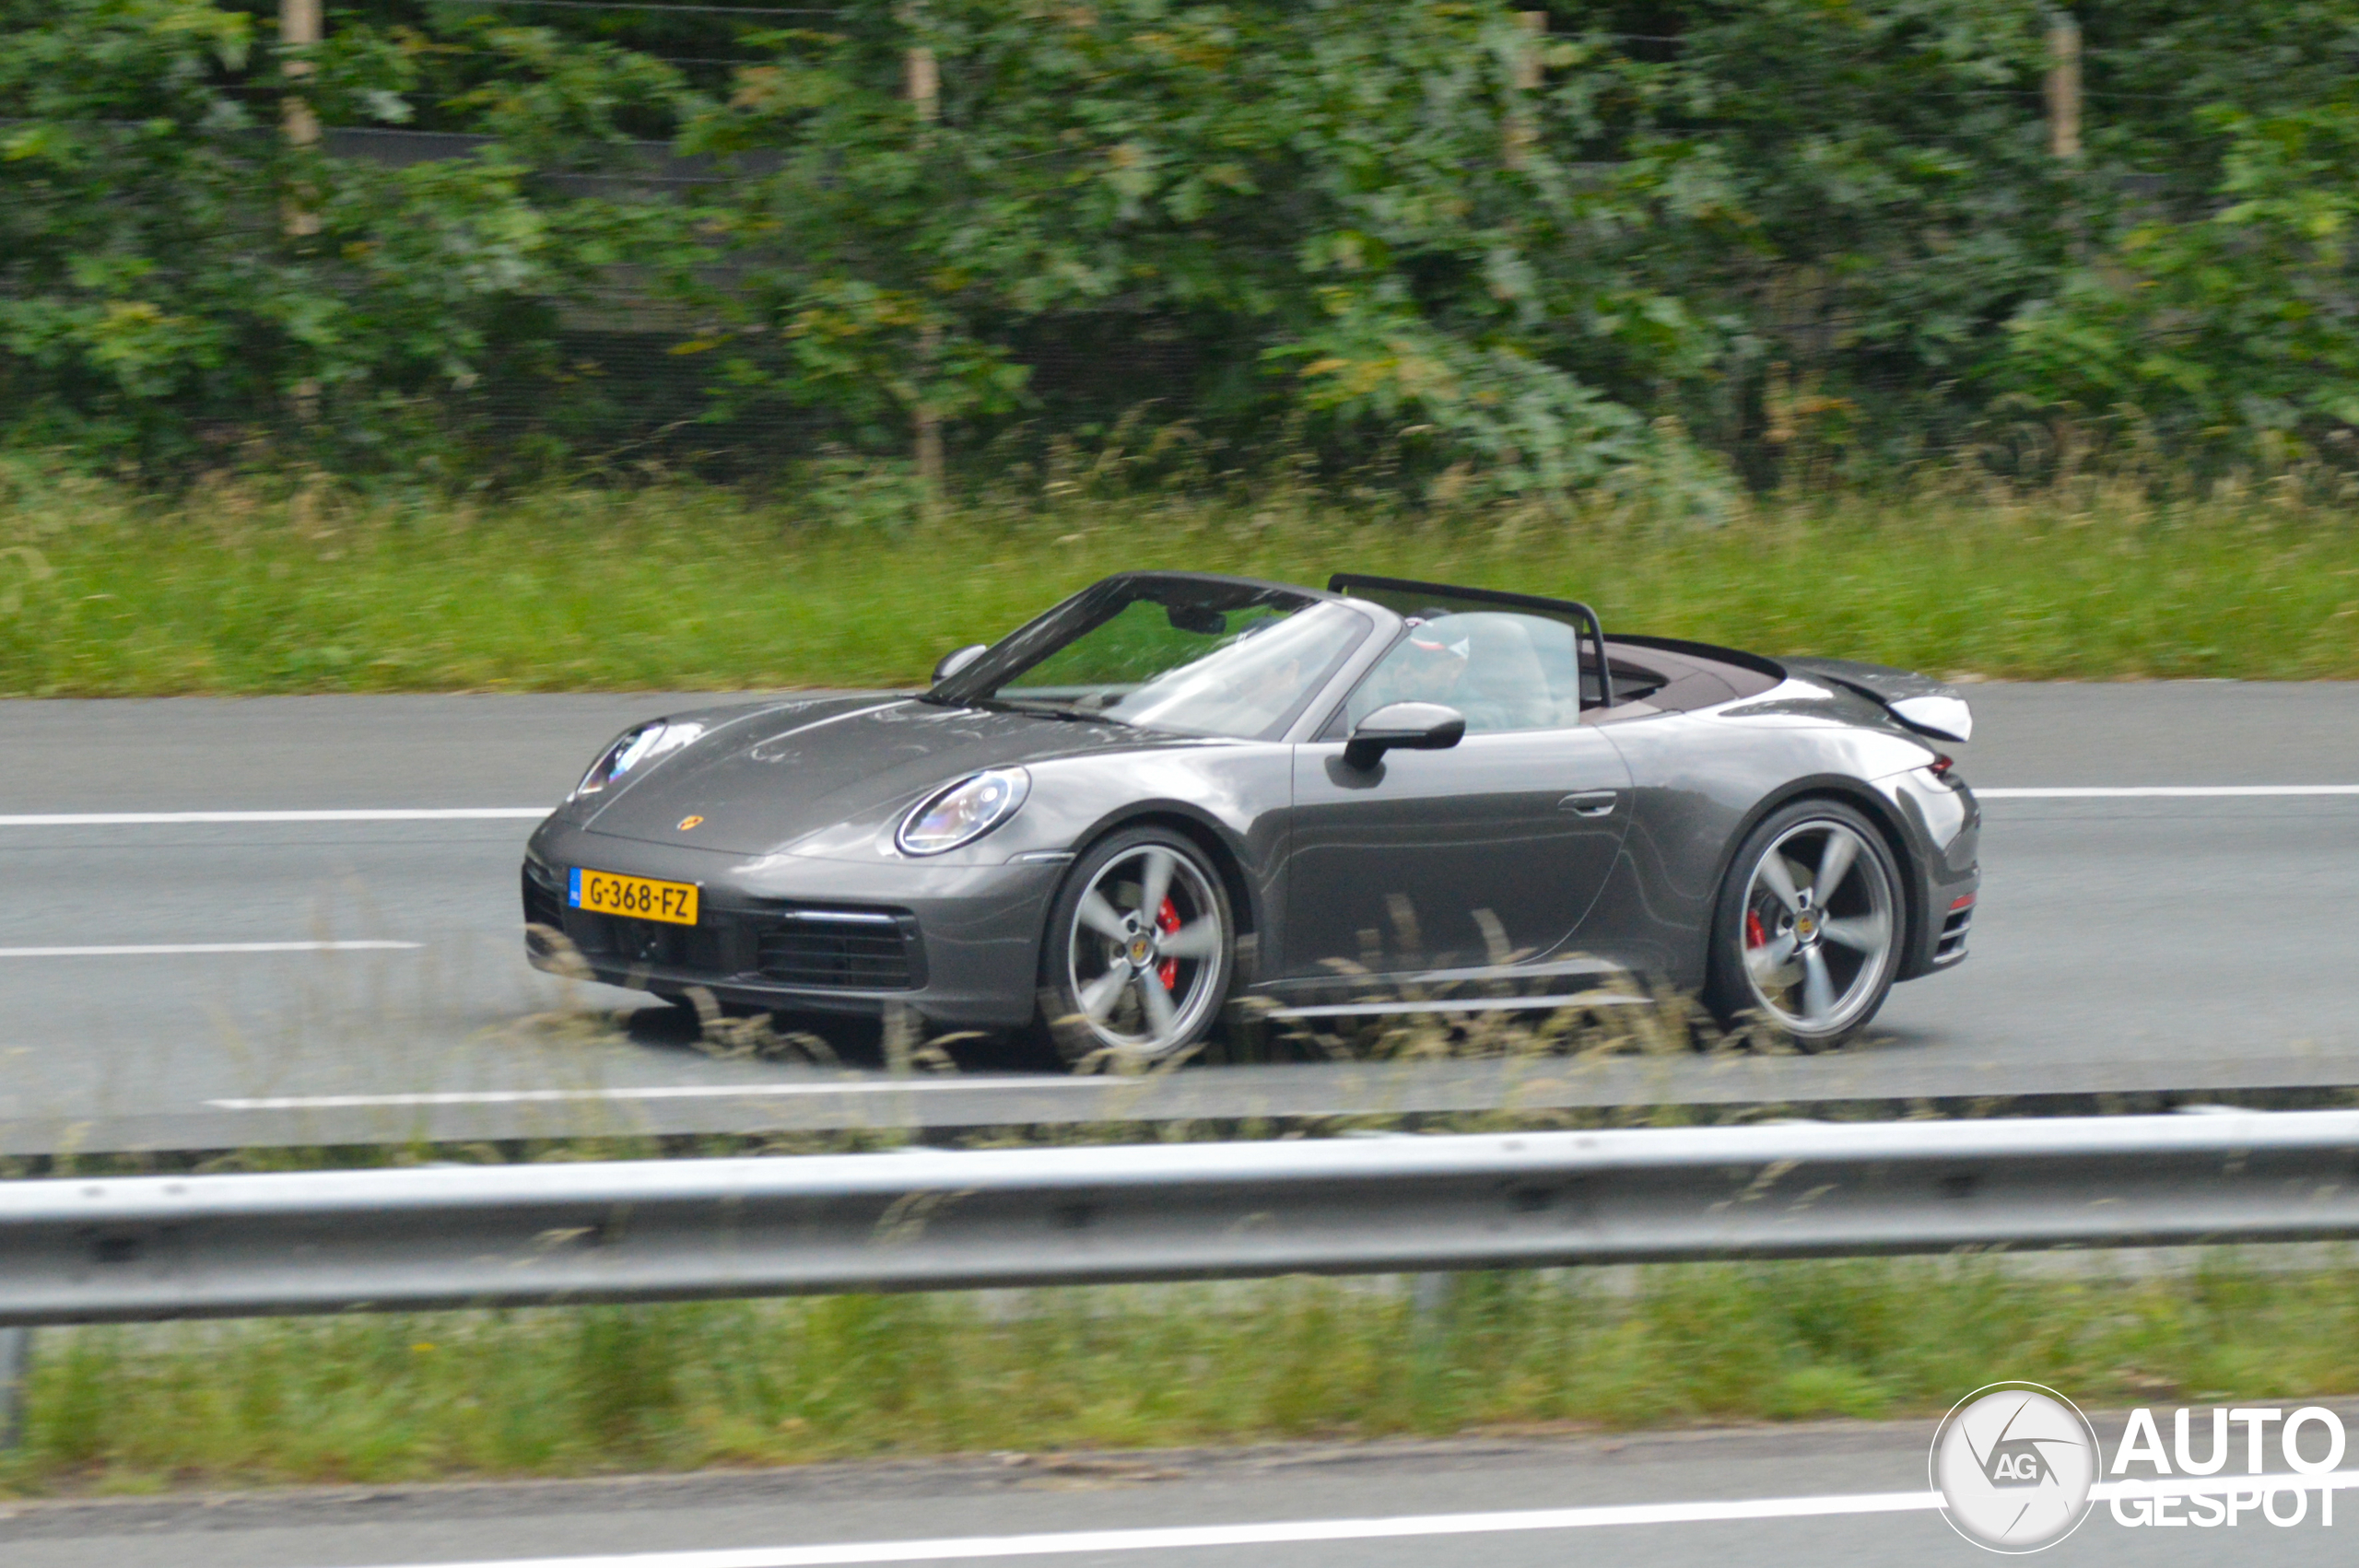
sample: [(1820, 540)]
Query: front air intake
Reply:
[(845, 950)]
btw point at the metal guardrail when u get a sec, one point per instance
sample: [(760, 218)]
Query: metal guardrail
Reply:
[(87, 1250)]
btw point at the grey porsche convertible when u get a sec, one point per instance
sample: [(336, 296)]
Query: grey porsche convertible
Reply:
[(1174, 791)]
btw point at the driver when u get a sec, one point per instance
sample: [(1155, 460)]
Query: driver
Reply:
[(1431, 662)]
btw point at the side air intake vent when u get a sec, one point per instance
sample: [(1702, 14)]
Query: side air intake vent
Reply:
[(849, 950)]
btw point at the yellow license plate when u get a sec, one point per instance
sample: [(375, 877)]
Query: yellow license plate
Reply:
[(639, 897)]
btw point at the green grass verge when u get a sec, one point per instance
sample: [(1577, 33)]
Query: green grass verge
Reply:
[(566, 1392), (235, 590)]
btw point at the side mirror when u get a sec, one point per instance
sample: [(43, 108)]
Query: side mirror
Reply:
[(1411, 726), (956, 659)]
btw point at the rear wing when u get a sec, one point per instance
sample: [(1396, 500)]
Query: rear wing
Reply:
[(1925, 705)]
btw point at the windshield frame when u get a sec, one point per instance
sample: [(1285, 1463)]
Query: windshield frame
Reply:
[(978, 685)]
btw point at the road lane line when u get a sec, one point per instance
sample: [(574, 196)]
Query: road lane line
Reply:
[(1293, 1532), (533, 814), (2161, 791), (175, 819), (657, 1092), (175, 949), (1286, 1532)]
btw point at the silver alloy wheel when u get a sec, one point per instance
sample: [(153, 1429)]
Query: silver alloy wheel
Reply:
[(1820, 931), (1146, 953)]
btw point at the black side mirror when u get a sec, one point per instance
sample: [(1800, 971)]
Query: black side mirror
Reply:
[(956, 659), (1411, 726)]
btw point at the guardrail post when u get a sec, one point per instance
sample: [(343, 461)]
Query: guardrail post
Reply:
[(1428, 1292), (16, 1368), (1429, 1323)]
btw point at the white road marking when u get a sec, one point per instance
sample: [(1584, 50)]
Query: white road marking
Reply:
[(533, 814), (173, 949), (2162, 792), (1292, 1532), (658, 1091), (176, 819), (1283, 1532)]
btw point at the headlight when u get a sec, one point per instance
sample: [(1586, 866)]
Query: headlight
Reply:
[(965, 812), (635, 748)]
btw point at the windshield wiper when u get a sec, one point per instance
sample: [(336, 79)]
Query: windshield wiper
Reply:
[(1057, 710)]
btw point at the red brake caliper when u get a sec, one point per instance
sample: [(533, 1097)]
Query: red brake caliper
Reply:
[(1754, 935), (1167, 921)]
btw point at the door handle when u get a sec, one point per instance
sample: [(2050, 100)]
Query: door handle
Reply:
[(1591, 802)]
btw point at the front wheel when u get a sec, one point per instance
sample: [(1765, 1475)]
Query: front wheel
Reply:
[(1141, 945), (1807, 933)]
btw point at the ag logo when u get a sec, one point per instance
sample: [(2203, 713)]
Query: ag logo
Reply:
[(2016, 1462), (2013, 1463)]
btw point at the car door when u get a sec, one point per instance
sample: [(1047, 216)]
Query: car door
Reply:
[(1438, 859)]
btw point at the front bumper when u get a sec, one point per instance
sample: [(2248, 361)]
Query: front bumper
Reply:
[(955, 945)]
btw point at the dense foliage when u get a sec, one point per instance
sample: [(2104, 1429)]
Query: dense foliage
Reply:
[(1812, 237)]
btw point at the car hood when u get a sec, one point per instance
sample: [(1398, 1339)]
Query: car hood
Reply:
[(761, 781)]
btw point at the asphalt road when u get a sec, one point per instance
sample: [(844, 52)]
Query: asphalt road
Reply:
[(1405, 1503), (2184, 942)]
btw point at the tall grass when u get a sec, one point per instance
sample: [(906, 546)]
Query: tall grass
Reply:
[(558, 1392), (239, 587)]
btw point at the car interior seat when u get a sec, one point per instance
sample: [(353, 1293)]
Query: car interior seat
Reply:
[(1505, 687)]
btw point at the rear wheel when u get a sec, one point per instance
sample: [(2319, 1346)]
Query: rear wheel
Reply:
[(1808, 934), (1140, 948)]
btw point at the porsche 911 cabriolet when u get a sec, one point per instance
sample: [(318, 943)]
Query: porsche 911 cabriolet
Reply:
[(1174, 791)]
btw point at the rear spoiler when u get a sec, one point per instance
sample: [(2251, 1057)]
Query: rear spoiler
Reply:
[(1925, 705)]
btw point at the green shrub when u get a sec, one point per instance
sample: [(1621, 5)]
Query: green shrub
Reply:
[(1790, 240)]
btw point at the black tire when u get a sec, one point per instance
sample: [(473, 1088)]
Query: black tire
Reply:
[(1815, 969), (1098, 980)]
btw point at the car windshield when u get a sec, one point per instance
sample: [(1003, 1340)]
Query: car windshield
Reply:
[(1199, 658)]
